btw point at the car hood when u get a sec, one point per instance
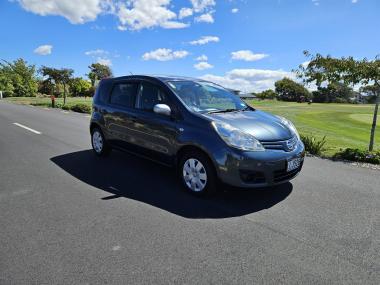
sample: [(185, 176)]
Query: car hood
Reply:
[(263, 126)]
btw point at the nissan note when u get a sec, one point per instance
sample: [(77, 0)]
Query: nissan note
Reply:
[(202, 129)]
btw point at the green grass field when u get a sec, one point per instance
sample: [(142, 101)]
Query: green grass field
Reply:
[(344, 125), (46, 101)]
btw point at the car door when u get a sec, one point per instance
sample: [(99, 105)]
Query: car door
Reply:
[(120, 114), (156, 133)]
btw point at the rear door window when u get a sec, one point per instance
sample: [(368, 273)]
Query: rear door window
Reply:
[(124, 94)]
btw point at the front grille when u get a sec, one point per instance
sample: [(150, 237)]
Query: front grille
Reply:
[(285, 145), (274, 145)]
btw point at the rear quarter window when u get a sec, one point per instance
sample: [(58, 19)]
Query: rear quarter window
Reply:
[(102, 91)]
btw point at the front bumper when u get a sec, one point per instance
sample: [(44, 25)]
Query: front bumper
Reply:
[(258, 169)]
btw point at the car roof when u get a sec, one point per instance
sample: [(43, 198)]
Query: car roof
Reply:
[(163, 78)]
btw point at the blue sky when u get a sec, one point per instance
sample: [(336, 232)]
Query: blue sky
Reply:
[(243, 44)]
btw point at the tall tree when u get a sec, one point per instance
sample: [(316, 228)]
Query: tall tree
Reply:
[(347, 70), (80, 87), (57, 76), (98, 71), (267, 94), (289, 90), (17, 78), (333, 93)]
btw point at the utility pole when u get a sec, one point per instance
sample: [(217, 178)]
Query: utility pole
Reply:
[(373, 129)]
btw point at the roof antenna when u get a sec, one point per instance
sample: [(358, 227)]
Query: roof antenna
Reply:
[(131, 73)]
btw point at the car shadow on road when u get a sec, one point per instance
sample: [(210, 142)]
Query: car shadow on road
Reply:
[(125, 176)]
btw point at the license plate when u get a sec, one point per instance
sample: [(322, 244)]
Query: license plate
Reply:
[(294, 164)]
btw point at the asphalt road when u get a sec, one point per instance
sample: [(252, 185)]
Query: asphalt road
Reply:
[(67, 217)]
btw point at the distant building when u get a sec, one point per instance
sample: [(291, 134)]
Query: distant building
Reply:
[(247, 96), (359, 98)]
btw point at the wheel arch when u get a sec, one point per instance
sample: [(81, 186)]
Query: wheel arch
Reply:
[(188, 148), (94, 125)]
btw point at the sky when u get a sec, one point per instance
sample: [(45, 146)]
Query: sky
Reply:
[(241, 44)]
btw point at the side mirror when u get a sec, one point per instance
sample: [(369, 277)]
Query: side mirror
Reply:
[(162, 109)]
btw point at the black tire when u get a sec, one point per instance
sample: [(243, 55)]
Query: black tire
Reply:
[(105, 148), (211, 181)]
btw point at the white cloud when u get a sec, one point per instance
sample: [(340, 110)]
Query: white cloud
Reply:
[(203, 65), (315, 2), (202, 58), (43, 50), (96, 52), (205, 18), (122, 28), (247, 55), (205, 40), (101, 56), (305, 64), (132, 14), (163, 54), (141, 14), (234, 10), (185, 12), (249, 80), (201, 5), (354, 1), (104, 61), (174, 25), (77, 12)]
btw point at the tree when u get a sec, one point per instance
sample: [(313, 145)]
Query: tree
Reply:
[(57, 76), (6, 85), (98, 71), (371, 91), (334, 93), (347, 70), (289, 90), (267, 94), (80, 87), (17, 78)]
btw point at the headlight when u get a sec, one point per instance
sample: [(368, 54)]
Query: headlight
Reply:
[(290, 125), (237, 138)]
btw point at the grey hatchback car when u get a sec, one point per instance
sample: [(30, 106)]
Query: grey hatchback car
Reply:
[(202, 129)]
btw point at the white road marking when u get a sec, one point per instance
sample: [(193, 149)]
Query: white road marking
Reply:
[(47, 109), (65, 112), (87, 116), (27, 128)]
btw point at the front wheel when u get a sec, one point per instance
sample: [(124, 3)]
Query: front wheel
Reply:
[(99, 143), (197, 173)]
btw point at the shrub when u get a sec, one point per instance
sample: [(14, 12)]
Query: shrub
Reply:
[(312, 145), (358, 155), (81, 108), (65, 107)]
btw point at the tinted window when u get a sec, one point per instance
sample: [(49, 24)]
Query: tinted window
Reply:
[(102, 91), (123, 94), (202, 96), (150, 95)]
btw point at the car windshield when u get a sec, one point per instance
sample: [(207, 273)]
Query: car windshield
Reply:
[(207, 97)]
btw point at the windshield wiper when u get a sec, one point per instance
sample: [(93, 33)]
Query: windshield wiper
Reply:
[(223, 111), (247, 108)]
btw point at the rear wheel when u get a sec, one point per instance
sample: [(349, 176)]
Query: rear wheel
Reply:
[(197, 173), (99, 143)]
